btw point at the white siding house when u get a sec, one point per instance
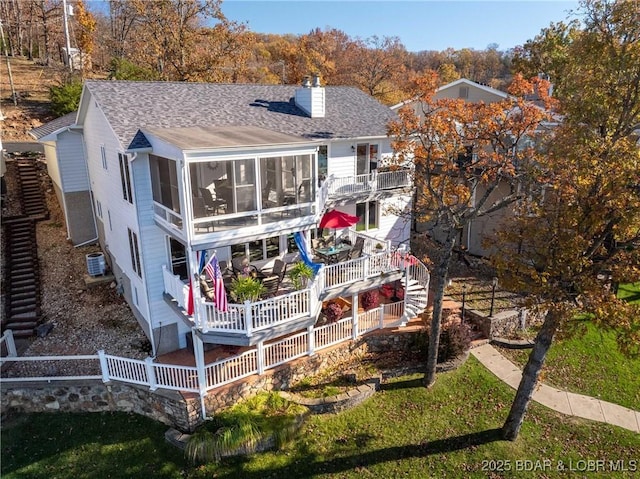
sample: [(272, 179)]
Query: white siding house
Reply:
[(180, 171)]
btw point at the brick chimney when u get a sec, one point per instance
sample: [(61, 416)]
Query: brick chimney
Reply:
[(310, 97)]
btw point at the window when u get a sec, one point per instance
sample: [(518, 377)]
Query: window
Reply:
[(323, 163), (103, 154), (257, 250), (463, 92), (125, 177), (178, 258), (164, 182), (366, 158), (99, 209), (368, 214), (110, 225), (135, 252)]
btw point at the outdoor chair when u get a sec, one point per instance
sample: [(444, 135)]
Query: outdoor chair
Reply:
[(356, 251), (279, 269), (211, 204), (271, 285), (341, 256)]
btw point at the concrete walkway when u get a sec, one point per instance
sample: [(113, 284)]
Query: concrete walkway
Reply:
[(562, 401)]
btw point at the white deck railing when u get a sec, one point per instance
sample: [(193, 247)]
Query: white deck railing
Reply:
[(185, 378), (250, 317), (368, 183)]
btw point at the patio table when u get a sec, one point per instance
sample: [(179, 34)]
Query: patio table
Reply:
[(331, 254)]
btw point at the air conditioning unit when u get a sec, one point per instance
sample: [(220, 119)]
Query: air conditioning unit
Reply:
[(95, 264)]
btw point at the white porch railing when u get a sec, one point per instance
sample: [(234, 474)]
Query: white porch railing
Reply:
[(175, 287), (368, 183), (185, 378), (250, 317)]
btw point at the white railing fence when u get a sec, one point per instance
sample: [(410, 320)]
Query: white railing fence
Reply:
[(156, 375)]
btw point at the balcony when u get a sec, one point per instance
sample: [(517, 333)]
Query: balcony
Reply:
[(362, 187), (252, 322)]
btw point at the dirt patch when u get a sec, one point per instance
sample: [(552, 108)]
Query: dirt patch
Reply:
[(31, 83)]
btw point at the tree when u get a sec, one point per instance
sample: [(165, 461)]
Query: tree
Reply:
[(86, 28), (574, 244), (471, 159)]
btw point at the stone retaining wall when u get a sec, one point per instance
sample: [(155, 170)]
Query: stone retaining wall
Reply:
[(168, 407), (333, 404), (500, 324), (183, 411)]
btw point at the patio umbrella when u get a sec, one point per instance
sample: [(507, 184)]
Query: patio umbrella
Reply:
[(336, 219)]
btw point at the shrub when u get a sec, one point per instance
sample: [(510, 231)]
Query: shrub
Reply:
[(455, 339), (123, 69), (65, 98), (333, 312), (243, 428), (370, 300)]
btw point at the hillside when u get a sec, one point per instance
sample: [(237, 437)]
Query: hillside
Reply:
[(31, 82)]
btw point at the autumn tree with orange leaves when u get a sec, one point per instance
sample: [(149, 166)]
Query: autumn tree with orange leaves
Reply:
[(471, 160), (569, 249)]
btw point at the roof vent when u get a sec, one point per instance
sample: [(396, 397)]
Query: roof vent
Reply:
[(95, 264)]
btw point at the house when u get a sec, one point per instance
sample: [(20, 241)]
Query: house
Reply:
[(67, 168), (474, 235), (174, 172)]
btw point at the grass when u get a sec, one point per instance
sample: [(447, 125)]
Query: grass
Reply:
[(590, 364), (630, 292), (450, 430), (87, 446)]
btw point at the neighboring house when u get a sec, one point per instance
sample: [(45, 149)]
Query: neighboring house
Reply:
[(473, 236), (180, 170), (67, 167)]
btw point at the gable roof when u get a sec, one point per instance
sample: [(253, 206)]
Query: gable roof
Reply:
[(130, 106), (54, 126), (460, 81), (465, 81)]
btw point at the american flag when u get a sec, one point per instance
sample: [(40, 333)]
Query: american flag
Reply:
[(213, 271)]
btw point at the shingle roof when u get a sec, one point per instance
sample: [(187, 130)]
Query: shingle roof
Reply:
[(54, 125), (130, 106)]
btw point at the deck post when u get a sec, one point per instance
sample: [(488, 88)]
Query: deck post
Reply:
[(354, 317), (311, 340), (198, 352), (260, 357), (248, 320), (151, 373), (104, 366), (381, 313)]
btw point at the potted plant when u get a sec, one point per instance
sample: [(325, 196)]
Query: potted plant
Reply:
[(246, 288), (370, 300), (300, 274)]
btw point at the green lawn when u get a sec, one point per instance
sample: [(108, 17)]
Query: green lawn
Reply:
[(630, 292), (590, 364), (403, 431)]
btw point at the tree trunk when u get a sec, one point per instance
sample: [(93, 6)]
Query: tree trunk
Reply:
[(530, 376), (434, 332)]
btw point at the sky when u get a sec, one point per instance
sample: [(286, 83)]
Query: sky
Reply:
[(420, 24)]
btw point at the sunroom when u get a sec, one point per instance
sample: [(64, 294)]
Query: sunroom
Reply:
[(212, 186)]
